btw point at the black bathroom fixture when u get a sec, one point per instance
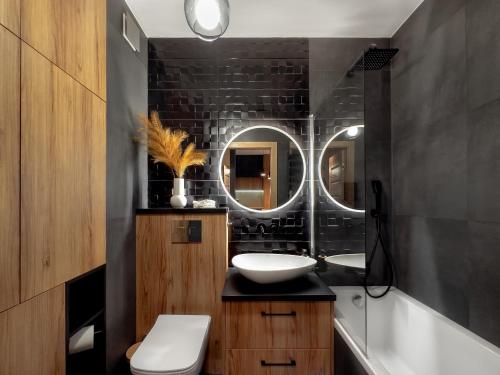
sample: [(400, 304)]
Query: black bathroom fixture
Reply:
[(208, 19), (373, 59), (376, 213)]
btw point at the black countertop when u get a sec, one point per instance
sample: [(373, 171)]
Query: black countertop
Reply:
[(306, 288), (186, 210)]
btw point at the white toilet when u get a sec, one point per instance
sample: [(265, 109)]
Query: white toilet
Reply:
[(176, 345)]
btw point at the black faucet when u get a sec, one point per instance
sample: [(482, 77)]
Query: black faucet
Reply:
[(261, 228)]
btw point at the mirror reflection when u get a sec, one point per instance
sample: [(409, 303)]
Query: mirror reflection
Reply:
[(262, 168), (342, 170)]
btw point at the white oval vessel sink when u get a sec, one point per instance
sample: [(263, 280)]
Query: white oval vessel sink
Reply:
[(272, 268), (348, 260)]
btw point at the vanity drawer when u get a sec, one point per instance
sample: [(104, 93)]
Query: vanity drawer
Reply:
[(278, 325), (277, 362)]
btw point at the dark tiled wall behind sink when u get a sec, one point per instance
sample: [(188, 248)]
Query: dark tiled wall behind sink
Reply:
[(446, 153), (213, 90)]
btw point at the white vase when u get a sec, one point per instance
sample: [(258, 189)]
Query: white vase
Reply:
[(178, 199)]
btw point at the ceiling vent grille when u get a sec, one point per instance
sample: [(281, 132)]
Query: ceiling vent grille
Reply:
[(131, 32)]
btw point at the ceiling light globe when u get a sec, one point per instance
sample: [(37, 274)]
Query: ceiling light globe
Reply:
[(208, 19), (207, 13)]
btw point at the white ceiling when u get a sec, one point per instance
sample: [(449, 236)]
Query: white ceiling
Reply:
[(283, 18)]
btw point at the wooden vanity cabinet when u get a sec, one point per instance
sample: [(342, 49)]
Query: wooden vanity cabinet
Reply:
[(284, 325), (278, 362), (273, 337)]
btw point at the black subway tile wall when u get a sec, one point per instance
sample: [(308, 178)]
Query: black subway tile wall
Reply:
[(445, 152), (214, 90)]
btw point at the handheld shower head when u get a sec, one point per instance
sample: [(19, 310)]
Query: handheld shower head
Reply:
[(377, 190)]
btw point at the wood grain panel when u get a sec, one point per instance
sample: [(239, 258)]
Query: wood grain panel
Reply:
[(32, 336), (247, 328), (63, 162), (249, 362), (72, 34), (9, 168), (10, 11), (175, 278), (152, 241)]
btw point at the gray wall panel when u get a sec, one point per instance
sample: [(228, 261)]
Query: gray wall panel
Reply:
[(126, 184)]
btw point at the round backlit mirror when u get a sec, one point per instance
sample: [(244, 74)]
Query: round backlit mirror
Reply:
[(262, 169), (341, 168)]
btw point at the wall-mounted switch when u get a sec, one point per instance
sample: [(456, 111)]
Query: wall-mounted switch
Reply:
[(186, 231)]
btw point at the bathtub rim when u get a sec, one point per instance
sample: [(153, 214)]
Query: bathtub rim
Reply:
[(355, 349), (435, 314), (371, 365)]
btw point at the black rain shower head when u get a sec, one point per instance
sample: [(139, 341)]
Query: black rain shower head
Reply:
[(374, 59)]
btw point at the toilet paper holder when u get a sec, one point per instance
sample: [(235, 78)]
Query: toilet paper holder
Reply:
[(82, 340)]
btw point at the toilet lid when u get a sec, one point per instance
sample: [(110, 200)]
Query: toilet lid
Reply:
[(174, 344)]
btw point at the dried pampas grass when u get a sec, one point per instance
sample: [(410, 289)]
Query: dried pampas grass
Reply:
[(165, 145)]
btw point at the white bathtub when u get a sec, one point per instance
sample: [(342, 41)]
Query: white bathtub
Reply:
[(405, 337)]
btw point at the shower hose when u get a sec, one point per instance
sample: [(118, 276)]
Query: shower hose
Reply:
[(387, 256)]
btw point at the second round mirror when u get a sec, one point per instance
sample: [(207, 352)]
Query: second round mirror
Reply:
[(342, 170)]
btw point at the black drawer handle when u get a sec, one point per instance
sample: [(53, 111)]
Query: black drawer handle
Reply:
[(291, 313), (292, 363)]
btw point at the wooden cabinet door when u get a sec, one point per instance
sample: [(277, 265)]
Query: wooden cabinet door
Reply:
[(279, 325), (10, 15), (9, 168), (182, 278), (277, 362), (32, 336), (72, 34), (63, 176)]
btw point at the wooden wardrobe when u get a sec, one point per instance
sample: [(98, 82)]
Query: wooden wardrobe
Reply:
[(52, 171)]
